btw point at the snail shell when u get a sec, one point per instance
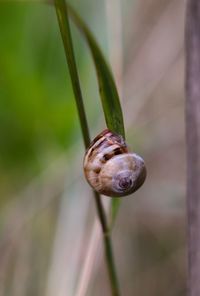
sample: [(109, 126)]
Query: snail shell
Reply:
[(110, 169)]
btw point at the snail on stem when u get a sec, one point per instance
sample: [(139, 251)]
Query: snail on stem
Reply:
[(110, 169)]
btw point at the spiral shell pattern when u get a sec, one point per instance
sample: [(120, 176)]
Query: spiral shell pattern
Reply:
[(110, 169)]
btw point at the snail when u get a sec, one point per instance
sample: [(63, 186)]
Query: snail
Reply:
[(109, 167)]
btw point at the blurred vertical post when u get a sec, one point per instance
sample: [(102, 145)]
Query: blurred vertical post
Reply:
[(193, 142)]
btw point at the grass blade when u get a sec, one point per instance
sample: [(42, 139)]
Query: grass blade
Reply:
[(67, 42), (107, 88), (62, 15)]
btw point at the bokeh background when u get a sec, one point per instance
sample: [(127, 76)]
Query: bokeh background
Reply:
[(50, 241)]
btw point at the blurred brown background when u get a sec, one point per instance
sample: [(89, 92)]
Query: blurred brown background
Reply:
[(50, 241)]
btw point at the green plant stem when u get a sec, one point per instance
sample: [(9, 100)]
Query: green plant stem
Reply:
[(63, 20), (62, 15), (107, 246)]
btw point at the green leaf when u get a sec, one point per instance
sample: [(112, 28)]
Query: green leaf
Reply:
[(107, 88)]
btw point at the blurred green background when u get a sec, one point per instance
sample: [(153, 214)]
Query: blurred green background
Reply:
[(38, 115), (50, 243)]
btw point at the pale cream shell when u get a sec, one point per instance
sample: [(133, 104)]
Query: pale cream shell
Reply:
[(102, 177)]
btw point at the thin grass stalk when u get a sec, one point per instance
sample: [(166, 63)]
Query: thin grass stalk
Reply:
[(69, 52), (108, 92), (63, 20), (107, 246)]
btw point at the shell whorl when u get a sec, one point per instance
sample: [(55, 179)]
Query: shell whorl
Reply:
[(110, 169)]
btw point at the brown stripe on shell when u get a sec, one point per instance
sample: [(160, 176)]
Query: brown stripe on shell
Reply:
[(105, 139), (106, 145), (106, 131), (116, 151)]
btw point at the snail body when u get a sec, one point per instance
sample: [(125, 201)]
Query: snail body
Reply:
[(110, 169)]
